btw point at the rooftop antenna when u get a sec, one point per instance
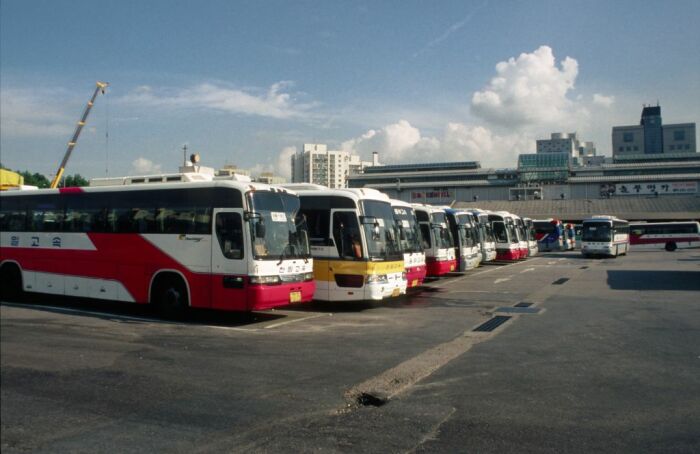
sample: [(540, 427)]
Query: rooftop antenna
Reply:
[(184, 155)]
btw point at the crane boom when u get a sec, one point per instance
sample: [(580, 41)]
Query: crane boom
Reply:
[(100, 87)]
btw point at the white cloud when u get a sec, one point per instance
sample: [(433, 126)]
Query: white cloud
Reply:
[(143, 166), (283, 166), (401, 142), (276, 102), (24, 113), (602, 100), (527, 90)]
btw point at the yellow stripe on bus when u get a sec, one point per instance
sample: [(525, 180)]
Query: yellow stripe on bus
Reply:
[(325, 270)]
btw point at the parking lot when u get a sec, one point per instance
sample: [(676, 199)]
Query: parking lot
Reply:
[(592, 355)]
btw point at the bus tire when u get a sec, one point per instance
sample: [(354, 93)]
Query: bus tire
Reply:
[(169, 294), (10, 282), (671, 246)]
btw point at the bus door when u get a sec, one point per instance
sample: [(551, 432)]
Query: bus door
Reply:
[(230, 257), (347, 270)]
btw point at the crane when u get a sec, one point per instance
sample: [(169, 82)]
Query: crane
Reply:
[(100, 88)]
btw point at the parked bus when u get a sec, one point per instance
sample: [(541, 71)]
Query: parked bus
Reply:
[(411, 241), (486, 238), (222, 245), (437, 240), (667, 235), (531, 237), (505, 233), (354, 241), (522, 236), (550, 234), (465, 235), (605, 235)]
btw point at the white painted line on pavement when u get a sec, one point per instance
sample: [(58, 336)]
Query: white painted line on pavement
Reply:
[(287, 322)]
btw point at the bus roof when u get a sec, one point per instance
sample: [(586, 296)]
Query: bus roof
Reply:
[(356, 194), (241, 186)]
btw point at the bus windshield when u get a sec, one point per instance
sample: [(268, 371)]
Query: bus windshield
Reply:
[(596, 231), (468, 234), (443, 237), (513, 232), (381, 230), (277, 229), (410, 235)]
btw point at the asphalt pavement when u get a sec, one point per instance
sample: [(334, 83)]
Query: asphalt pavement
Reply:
[(603, 355)]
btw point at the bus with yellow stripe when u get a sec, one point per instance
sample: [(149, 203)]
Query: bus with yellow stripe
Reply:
[(354, 241)]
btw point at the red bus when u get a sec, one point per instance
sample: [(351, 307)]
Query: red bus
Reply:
[(224, 245), (667, 235)]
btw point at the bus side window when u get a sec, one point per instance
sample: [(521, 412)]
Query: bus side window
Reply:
[(229, 232), (346, 233), (425, 233), (317, 222)]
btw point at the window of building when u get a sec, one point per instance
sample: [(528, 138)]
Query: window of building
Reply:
[(636, 148), (679, 135), (621, 149), (629, 149), (628, 137), (673, 147), (687, 147)]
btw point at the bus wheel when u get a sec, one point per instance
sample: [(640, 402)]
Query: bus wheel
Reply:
[(11, 283), (170, 297), (671, 246)]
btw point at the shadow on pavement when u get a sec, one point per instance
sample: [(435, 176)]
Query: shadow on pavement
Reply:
[(654, 280)]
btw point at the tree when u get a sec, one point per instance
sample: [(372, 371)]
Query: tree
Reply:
[(74, 180), (35, 179)]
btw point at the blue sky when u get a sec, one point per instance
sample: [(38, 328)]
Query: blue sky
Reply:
[(246, 82)]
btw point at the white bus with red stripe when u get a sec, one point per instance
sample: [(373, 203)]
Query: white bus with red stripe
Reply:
[(411, 241), (437, 239), (224, 245), (506, 236), (664, 235)]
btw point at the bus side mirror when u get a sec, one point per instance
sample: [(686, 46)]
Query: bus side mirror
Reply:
[(260, 229)]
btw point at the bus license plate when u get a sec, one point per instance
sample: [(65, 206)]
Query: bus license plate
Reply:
[(294, 297), (396, 292)]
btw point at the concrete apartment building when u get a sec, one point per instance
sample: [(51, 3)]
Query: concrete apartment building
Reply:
[(315, 163)]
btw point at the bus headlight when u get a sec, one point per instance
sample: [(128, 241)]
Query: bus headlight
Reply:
[(309, 276), (267, 280), (377, 279)]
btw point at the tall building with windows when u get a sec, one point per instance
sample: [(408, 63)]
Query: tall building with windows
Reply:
[(315, 163), (569, 143), (652, 140)]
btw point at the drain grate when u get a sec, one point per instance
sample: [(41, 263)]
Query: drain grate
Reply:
[(560, 281), (369, 400), (518, 310), (523, 304), (492, 324), (585, 267)]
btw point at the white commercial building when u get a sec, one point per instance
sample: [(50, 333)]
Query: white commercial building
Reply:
[(570, 144), (316, 164)]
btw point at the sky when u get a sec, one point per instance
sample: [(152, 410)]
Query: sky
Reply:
[(248, 83)]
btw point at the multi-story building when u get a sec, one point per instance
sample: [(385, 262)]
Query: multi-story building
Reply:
[(651, 140), (570, 144), (315, 163), (269, 178)]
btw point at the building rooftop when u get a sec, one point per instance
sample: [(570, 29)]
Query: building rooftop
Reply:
[(425, 167)]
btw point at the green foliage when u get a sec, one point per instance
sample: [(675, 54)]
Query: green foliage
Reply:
[(74, 180), (40, 181), (35, 179)]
